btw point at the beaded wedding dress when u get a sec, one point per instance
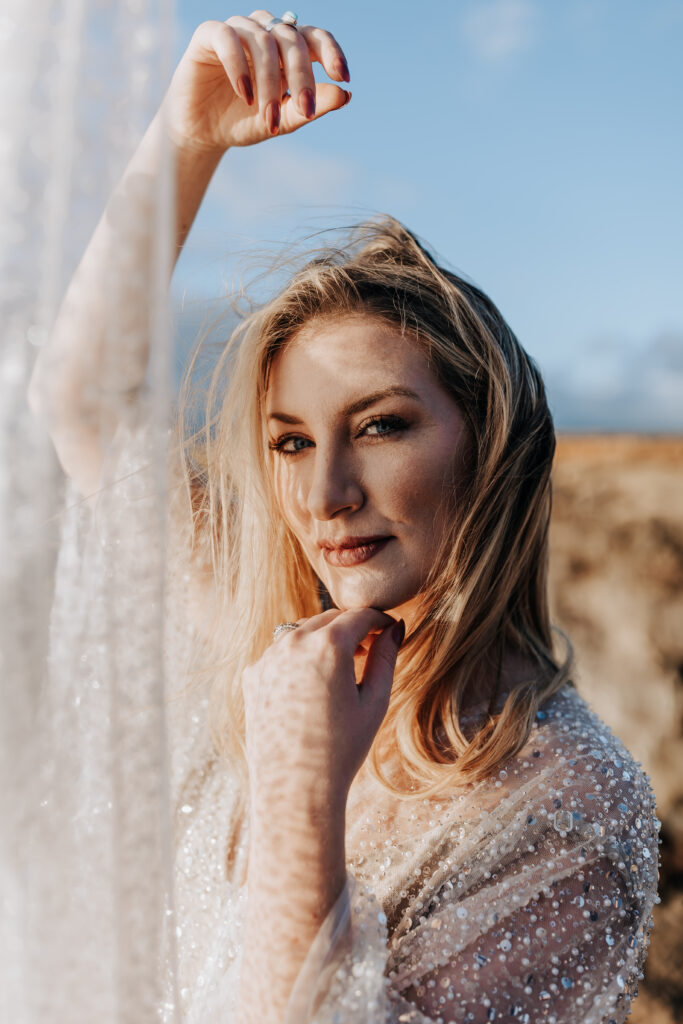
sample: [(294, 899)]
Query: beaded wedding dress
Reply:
[(526, 898)]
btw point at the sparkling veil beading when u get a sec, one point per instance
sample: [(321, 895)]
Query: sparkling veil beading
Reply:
[(85, 844)]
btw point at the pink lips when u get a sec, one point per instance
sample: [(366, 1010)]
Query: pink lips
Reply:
[(354, 556)]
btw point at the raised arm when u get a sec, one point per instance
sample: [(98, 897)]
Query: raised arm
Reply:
[(236, 85)]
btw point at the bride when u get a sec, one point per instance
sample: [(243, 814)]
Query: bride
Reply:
[(397, 807)]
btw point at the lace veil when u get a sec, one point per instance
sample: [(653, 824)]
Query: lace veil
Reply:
[(84, 845)]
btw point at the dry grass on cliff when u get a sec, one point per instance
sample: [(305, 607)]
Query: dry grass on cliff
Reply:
[(617, 589)]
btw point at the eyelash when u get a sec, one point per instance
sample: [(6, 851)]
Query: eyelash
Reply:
[(395, 421)]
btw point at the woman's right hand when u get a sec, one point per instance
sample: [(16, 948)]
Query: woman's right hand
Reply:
[(309, 719), (237, 84)]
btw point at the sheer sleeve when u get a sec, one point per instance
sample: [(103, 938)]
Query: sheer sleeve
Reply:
[(563, 957), (545, 918)]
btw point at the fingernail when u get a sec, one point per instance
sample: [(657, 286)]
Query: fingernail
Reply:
[(398, 632), (348, 98), (245, 89), (344, 70), (273, 117), (307, 103)]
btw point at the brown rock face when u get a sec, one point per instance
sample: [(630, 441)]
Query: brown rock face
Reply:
[(616, 576)]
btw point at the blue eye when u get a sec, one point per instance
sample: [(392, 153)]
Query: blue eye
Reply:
[(279, 445), (393, 423), (382, 420)]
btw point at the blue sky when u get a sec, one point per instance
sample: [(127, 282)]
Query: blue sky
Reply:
[(536, 145)]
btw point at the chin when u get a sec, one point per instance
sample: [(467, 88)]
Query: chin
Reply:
[(350, 598)]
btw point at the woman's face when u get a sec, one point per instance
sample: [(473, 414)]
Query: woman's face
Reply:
[(367, 442)]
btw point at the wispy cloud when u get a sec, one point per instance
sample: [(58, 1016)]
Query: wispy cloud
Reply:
[(496, 29), (266, 202), (266, 183), (609, 385)]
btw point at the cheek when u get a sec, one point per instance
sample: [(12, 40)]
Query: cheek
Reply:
[(287, 495), (421, 481), (291, 505)]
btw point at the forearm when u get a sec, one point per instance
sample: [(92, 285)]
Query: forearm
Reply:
[(297, 871), (84, 368)]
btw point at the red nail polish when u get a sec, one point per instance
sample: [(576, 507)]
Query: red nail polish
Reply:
[(245, 89), (307, 102), (398, 632), (273, 117), (344, 71)]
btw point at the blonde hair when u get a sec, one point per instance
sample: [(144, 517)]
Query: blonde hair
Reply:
[(487, 591)]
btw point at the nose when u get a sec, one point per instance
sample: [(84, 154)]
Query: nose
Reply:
[(335, 485)]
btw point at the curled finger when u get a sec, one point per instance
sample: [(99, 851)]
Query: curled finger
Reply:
[(230, 52), (295, 60), (316, 622), (265, 61), (216, 42), (352, 627), (297, 68), (325, 49)]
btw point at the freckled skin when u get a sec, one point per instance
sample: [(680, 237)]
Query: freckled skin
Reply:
[(350, 478)]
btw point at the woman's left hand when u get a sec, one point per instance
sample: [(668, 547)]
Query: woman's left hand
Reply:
[(309, 723)]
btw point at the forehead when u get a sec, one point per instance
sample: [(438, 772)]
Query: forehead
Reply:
[(335, 359)]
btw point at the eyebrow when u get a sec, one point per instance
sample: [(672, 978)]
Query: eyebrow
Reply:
[(358, 405)]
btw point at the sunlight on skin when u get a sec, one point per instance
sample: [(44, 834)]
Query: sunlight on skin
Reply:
[(350, 476)]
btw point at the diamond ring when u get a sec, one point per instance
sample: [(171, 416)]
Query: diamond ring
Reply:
[(288, 18), (284, 627)]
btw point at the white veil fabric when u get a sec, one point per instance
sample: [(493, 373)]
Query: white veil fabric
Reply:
[(85, 842)]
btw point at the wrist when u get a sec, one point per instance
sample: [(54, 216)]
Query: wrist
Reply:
[(298, 853), (184, 146), (307, 811), (318, 804), (192, 150)]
